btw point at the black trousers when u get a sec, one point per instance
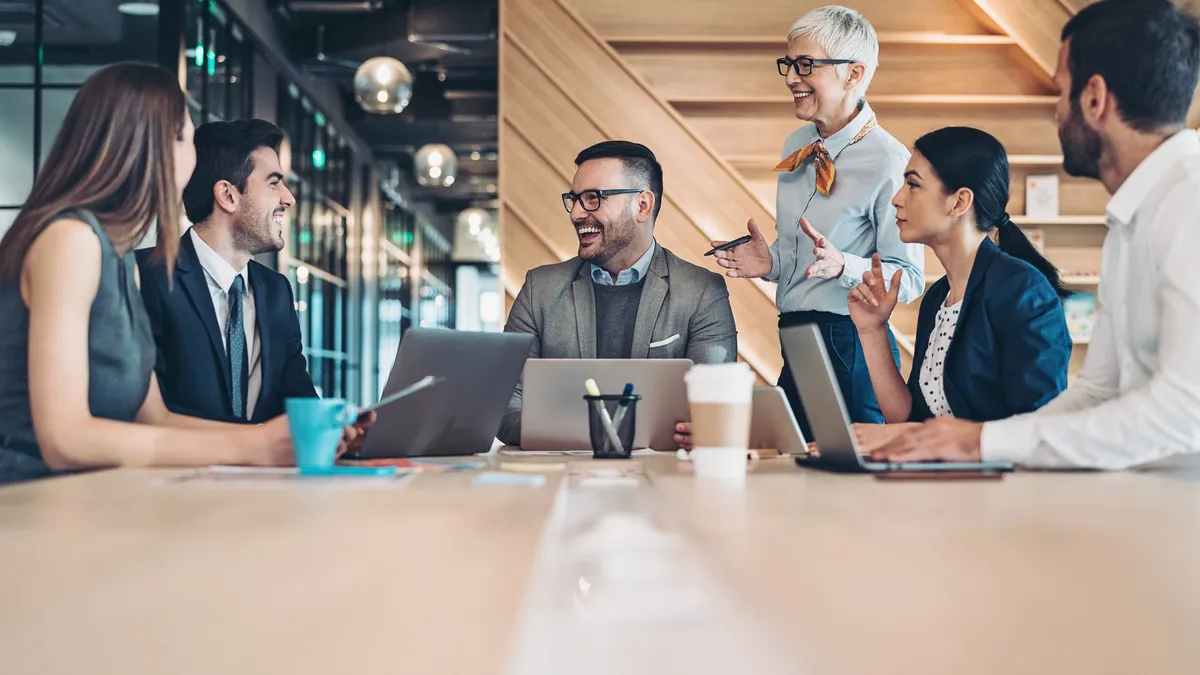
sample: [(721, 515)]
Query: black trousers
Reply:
[(849, 365)]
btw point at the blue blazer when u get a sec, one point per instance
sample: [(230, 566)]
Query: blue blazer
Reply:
[(193, 367), (1011, 347)]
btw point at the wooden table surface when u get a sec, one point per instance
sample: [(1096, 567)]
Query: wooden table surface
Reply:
[(116, 572)]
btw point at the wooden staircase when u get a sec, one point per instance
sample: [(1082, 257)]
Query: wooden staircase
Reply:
[(695, 81)]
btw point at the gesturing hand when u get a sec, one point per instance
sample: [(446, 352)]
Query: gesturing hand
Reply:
[(830, 262), (751, 259), (871, 304)]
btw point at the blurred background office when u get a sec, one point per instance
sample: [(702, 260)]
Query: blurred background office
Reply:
[(394, 225)]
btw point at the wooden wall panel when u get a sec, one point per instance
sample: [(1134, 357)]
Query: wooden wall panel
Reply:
[(738, 131), (1036, 25), (750, 70), (614, 18), (523, 250)]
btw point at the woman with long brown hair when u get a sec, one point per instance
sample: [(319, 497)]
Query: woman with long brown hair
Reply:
[(77, 385)]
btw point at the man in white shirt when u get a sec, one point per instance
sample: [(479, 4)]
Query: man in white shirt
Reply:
[(1128, 70)]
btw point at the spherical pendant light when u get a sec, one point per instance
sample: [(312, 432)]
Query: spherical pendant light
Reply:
[(435, 165), (383, 85)]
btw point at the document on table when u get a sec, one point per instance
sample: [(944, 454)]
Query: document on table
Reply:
[(644, 452), (249, 476)]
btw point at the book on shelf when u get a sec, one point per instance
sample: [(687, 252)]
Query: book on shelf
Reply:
[(1080, 309), (1041, 196)]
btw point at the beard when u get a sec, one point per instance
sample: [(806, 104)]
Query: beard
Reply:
[(614, 238), (252, 231), (1081, 145)]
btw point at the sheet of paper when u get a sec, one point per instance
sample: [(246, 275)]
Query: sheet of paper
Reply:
[(266, 477), (644, 452)]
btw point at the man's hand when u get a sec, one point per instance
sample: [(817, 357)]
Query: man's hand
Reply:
[(683, 435), (830, 262), (354, 435), (941, 438)]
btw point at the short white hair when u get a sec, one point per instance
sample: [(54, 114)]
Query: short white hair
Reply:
[(844, 34)]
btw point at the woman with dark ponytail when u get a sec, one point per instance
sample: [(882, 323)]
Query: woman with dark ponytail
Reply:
[(992, 340)]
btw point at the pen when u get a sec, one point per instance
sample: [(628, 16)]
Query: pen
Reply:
[(605, 420), (423, 383), (730, 244), (624, 405)]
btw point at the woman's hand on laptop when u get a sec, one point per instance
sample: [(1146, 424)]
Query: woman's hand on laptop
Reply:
[(683, 435), (942, 438), (873, 437)]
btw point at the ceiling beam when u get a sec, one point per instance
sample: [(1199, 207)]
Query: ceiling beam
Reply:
[(395, 135)]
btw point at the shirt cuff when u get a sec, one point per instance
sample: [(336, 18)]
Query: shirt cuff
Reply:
[(1011, 440), (853, 271), (773, 275)]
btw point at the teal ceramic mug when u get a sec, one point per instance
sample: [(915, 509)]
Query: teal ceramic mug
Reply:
[(316, 428)]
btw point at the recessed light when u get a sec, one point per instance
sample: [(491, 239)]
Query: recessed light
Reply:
[(138, 8), (7, 38)]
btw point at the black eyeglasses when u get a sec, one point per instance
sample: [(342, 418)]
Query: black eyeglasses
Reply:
[(591, 198), (804, 65)]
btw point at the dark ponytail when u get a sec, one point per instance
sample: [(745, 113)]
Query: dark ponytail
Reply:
[(964, 157), (1014, 242)]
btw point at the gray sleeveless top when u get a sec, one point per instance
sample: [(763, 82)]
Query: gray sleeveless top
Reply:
[(121, 353)]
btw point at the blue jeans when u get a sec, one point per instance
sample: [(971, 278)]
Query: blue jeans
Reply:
[(845, 353)]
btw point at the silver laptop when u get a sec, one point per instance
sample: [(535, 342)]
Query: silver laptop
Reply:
[(773, 425), (554, 415), (805, 350), (459, 415)]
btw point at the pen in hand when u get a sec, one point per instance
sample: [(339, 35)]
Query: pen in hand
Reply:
[(730, 244)]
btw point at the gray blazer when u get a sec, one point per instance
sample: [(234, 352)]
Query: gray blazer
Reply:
[(557, 305)]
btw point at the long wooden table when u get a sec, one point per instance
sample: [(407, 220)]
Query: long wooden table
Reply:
[(114, 572)]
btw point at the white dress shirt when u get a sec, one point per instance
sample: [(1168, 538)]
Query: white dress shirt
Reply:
[(220, 275), (857, 217), (1137, 398), (933, 368)]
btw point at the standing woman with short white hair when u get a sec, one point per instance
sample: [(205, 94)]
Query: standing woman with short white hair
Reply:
[(834, 207)]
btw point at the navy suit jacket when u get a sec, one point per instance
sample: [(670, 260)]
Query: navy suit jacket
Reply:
[(193, 367), (1011, 347)]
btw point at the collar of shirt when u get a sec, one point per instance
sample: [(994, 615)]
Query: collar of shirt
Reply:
[(1129, 197), (624, 277), (220, 271), (839, 141)]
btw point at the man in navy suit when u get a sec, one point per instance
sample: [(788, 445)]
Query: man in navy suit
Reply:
[(228, 338)]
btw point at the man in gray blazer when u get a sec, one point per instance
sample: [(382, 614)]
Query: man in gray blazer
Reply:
[(623, 296)]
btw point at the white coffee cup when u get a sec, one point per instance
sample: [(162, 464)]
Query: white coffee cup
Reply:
[(719, 396)]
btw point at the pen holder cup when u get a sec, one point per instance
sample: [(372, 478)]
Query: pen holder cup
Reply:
[(612, 422)]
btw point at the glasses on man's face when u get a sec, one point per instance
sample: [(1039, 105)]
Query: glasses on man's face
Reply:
[(803, 66), (590, 199)]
